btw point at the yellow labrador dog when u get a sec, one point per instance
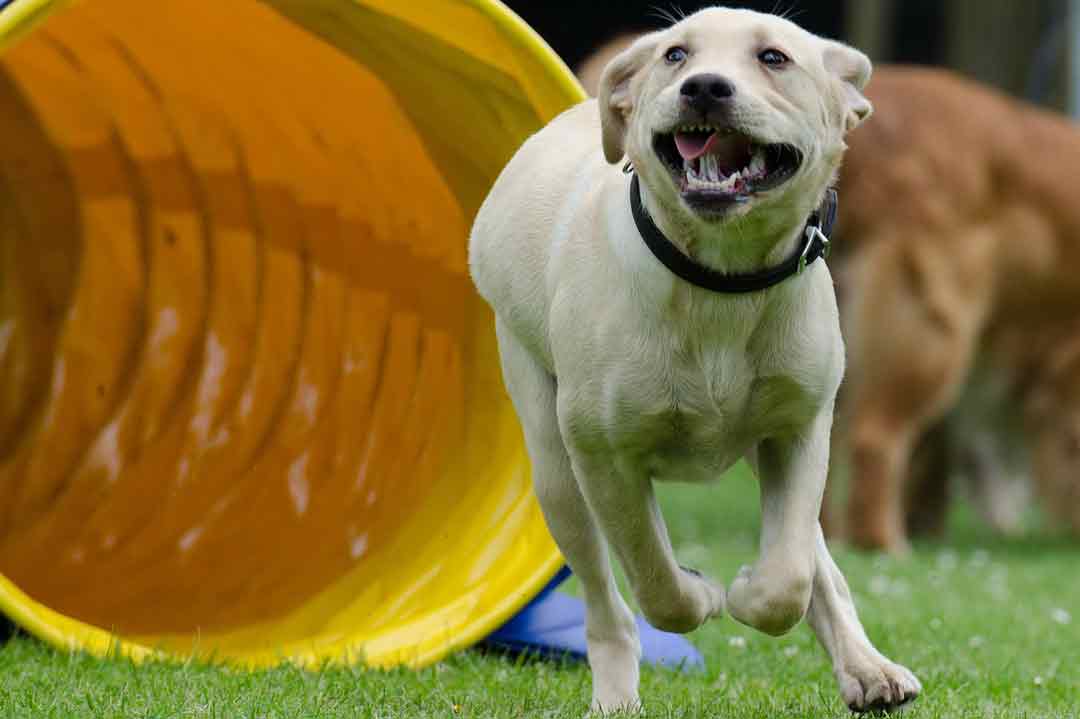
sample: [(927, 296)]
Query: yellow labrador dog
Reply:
[(664, 323)]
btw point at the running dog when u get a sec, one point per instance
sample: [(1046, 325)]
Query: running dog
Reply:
[(654, 261)]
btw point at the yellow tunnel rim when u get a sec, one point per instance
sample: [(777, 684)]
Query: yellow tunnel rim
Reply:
[(66, 633)]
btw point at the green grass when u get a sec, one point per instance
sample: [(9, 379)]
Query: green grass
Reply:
[(981, 620)]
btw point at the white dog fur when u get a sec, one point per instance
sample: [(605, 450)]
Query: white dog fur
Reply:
[(622, 373)]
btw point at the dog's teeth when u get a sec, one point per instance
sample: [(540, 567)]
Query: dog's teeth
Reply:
[(757, 165), (695, 178)]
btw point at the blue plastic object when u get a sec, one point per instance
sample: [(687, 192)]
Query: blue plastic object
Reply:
[(553, 625)]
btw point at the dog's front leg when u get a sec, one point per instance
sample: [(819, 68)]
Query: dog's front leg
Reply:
[(796, 575), (774, 594), (868, 680), (610, 632), (621, 497)]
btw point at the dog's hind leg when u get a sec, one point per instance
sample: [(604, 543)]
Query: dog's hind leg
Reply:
[(868, 680), (929, 480), (613, 646)]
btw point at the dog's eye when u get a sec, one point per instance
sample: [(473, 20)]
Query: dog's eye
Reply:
[(773, 57), (675, 55)]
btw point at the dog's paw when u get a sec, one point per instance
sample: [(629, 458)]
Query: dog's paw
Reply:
[(715, 597), (615, 663), (875, 684), (770, 604), (614, 709)]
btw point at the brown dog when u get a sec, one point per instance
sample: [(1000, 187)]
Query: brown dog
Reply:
[(956, 266), (961, 240)]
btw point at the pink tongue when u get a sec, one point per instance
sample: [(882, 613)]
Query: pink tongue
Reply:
[(693, 145)]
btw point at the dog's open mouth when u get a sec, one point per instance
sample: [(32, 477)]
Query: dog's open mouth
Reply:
[(715, 167)]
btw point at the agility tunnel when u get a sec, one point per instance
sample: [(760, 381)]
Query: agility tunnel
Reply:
[(250, 405)]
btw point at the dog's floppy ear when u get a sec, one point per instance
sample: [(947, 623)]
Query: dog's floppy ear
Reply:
[(853, 70), (616, 96)]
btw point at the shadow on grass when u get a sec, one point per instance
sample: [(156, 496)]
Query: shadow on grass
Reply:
[(1037, 538), (1032, 545), (7, 629), (529, 657)]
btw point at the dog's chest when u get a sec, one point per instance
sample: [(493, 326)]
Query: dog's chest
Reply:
[(685, 420), (687, 407)]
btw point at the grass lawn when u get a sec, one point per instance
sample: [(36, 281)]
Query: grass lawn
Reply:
[(992, 628)]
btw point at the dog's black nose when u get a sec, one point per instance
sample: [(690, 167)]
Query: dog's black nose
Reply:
[(704, 92)]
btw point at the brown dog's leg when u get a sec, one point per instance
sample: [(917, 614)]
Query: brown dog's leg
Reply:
[(915, 319), (927, 500)]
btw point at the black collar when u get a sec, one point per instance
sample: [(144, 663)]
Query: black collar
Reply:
[(815, 244)]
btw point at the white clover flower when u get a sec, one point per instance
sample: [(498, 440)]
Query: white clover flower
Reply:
[(946, 561)]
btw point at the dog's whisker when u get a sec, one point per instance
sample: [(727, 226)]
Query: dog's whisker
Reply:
[(794, 12), (670, 16)]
